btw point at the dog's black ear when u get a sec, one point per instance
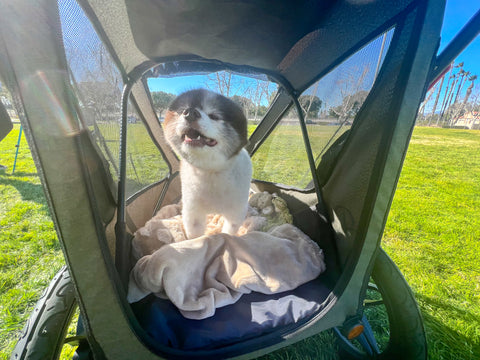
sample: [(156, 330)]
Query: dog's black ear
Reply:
[(233, 114)]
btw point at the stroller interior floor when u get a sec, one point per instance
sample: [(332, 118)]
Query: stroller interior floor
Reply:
[(253, 315)]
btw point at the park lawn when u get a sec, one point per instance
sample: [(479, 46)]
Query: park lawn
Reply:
[(433, 234), (145, 164), (290, 165), (30, 254)]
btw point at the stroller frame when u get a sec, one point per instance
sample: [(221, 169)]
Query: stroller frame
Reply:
[(37, 75)]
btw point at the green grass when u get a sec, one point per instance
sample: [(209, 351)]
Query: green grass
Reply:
[(433, 234), (290, 166), (144, 161), (29, 251)]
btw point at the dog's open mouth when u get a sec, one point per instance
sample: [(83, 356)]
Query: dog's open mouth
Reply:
[(194, 138)]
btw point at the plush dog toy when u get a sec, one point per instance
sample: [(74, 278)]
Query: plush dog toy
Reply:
[(268, 210)]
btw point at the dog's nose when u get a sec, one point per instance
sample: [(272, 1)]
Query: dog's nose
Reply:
[(191, 114)]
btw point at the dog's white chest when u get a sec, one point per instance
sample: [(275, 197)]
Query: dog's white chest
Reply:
[(217, 191)]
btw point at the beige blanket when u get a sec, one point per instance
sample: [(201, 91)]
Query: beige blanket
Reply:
[(214, 270)]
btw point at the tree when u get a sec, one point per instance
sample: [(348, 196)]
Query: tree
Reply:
[(244, 102), (422, 108), (222, 82), (333, 113), (99, 101), (161, 100), (469, 89), (460, 109), (99, 85), (436, 99), (250, 93), (474, 104), (464, 76), (262, 110), (350, 106), (259, 91), (98, 80), (350, 85), (311, 105), (444, 101), (449, 94)]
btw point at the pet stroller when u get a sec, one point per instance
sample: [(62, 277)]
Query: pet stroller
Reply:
[(81, 72)]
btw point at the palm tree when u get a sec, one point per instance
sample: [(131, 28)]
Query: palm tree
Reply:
[(461, 108), (469, 89), (436, 99), (464, 75), (447, 97), (424, 104), (444, 101), (457, 109)]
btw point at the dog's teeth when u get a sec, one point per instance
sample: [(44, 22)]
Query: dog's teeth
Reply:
[(198, 137)]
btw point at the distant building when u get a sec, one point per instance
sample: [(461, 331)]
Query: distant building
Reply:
[(470, 120)]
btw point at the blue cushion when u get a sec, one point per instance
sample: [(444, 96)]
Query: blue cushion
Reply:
[(253, 315)]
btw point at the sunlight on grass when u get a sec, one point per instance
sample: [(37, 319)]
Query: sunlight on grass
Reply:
[(290, 165), (433, 234), (29, 251)]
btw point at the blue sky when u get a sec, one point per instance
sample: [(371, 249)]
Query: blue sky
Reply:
[(176, 85), (457, 14)]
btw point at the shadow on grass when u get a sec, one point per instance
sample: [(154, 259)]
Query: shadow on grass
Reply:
[(443, 341), (28, 191)]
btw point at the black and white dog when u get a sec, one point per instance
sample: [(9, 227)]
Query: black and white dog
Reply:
[(209, 132)]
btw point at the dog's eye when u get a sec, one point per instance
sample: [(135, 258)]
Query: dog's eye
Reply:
[(214, 116)]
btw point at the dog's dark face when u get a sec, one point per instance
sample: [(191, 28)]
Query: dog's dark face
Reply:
[(205, 128)]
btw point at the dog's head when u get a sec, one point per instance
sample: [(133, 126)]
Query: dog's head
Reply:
[(205, 128)]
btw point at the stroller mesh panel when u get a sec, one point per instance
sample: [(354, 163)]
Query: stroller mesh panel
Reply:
[(98, 85), (330, 106), (282, 157), (358, 167)]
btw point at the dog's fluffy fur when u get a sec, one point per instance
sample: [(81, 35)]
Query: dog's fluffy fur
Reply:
[(209, 132)]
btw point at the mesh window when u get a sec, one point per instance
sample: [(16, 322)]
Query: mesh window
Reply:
[(98, 86), (251, 91), (330, 106)]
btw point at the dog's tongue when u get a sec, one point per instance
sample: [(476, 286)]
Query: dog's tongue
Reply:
[(194, 138)]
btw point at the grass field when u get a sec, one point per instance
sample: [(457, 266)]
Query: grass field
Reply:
[(290, 166), (433, 234), (29, 251)]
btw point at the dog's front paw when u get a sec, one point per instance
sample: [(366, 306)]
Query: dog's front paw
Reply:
[(230, 227), (194, 228)]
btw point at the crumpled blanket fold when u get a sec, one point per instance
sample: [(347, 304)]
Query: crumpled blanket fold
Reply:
[(214, 270)]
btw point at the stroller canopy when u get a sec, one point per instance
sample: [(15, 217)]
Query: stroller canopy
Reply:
[(297, 40)]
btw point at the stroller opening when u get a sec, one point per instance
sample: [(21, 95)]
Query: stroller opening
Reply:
[(330, 89)]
